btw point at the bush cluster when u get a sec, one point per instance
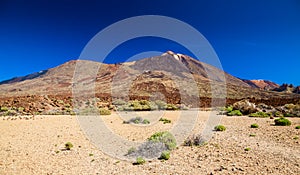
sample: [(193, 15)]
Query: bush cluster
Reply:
[(164, 137), (235, 113), (220, 128), (140, 161), (104, 111), (137, 120), (143, 105), (254, 125), (230, 112), (165, 155), (164, 120), (260, 114), (282, 122)]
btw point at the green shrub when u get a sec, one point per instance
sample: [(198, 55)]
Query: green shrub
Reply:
[(146, 121), (21, 109), (137, 120), (165, 155), (164, 137), (3, 109), (235, 113), (229, 109), (164, 120), (252, 135), (171, 107), (140, 161), (297, 127), (254, 125), (220, 128), (247, 149), (91, 154), (142, 105), (68, 146), (282, 122), (104, 111), (296, 138), (260, 114)]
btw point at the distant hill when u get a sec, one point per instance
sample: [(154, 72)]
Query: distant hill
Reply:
[(288, 88), (23, 78), (262, 84)]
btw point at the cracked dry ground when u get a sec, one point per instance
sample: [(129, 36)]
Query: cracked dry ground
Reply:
[(35, 147)]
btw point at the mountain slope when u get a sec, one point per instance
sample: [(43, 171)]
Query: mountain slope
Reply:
[(262, 84), (175, 78)]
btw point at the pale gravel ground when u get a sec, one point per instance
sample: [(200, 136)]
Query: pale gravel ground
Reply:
[(29, 147)]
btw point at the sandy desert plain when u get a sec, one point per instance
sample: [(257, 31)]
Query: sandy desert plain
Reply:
[(36, 146)]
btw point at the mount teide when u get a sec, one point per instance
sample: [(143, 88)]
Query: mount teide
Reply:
[(168, 75)]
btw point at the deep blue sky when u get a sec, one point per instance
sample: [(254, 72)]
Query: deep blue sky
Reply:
[(254, 39)]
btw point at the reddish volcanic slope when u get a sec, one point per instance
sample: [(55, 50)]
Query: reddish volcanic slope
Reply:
[(262, 84), (174, 76)]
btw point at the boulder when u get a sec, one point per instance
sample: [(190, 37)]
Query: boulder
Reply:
[(245, 107)]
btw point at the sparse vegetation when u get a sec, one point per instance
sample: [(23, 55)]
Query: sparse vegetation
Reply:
[(137, 120), (145, 105), (247, 149), (68, 146), (91, 154), (171, 107), (21, 109), (220, 128), (254, 125), (252, 135), (145, 121), (165, 155), (297, 127), (260, 115), (139, 161), (164, 120), (104, 111), (296, 138), (164, 137), (235, 113), (3, 109), (282, 122), (229, 109)]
